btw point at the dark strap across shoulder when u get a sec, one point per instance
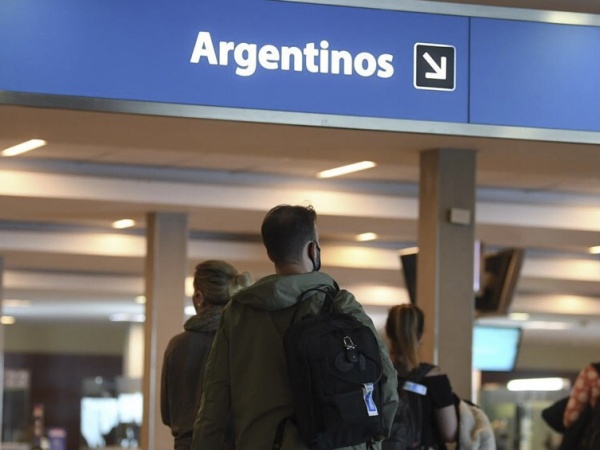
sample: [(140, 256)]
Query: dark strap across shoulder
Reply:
[(282, 319), (329, 291), (419, 372)]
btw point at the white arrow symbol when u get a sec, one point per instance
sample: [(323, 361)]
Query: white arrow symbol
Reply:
[(439, 73)]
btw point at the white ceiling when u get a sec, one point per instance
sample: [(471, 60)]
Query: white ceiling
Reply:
[(57, 203)]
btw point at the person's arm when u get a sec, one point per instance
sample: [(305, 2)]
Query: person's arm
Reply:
[(164, 392), (445, 415), (580, 395), (447, 423), (212, 418)]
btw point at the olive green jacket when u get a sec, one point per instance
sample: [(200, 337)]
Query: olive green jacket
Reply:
[(247, 371)]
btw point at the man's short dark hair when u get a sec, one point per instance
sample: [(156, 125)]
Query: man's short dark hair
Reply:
[(286, 229)]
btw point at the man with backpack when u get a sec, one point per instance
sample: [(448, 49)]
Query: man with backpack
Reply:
[(342, 388)]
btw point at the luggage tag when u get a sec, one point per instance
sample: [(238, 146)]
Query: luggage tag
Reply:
[(368, 397), (415, 387)]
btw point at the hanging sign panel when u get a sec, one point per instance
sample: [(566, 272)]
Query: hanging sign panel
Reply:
[(532, 74), (306, 58), (262, 55)]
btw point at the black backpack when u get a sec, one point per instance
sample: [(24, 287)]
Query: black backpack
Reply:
[(335, 374), (407, 429), (584, 434)]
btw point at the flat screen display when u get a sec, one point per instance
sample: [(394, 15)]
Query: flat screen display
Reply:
[(496, 276), (495, 348), (500, 275)]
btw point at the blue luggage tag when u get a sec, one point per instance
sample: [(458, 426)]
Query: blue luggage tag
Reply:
[(368, 397), (415, 387)]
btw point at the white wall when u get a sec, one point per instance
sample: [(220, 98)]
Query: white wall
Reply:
[(82, 338)]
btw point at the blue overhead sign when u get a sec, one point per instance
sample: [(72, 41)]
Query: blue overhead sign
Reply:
[(532, 74), (307, 58), (260, 55)]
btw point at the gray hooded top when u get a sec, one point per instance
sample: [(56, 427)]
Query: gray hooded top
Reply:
[(183, 371), (247, 368)]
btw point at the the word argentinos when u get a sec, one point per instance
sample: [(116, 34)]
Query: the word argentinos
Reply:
[(248, 57)]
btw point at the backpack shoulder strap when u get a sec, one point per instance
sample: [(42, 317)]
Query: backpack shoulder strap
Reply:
[(285, 320), (330, 294), (419, 372)]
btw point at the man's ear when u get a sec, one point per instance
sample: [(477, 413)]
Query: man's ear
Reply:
[(312, 250), (198, 299)]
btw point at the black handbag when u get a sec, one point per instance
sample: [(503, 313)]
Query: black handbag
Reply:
[(574, 434), (584, 433), (553, 414)]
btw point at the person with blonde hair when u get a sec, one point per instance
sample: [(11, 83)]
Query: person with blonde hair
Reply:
[(438, 420), (215, 281)]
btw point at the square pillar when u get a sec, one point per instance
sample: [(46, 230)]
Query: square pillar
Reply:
[(446, 240), (166, 270)]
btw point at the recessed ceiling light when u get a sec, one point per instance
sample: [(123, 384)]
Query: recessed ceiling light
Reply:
[(595, 250), (366, 237), (7, 320), (123, 223), (141, 299), (23, 147), (343, 170)]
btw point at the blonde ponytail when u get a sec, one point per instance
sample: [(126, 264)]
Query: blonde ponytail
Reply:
[(404, 329), (218, 280)]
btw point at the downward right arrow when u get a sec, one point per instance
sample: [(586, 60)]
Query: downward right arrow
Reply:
[(439, 73)]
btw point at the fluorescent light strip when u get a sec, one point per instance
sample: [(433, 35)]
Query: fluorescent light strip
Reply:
[(595, 250), (16, 303), (518, 316), (126, 317), (538, 384), (343, 170), (546, 325), (23, 147)]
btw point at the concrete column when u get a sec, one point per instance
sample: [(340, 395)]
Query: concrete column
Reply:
[(166, 269), (445, 265)]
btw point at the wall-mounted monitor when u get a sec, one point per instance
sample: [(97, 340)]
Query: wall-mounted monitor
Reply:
[(495, 278), (495, 348), (499, 277), (408, 260)]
